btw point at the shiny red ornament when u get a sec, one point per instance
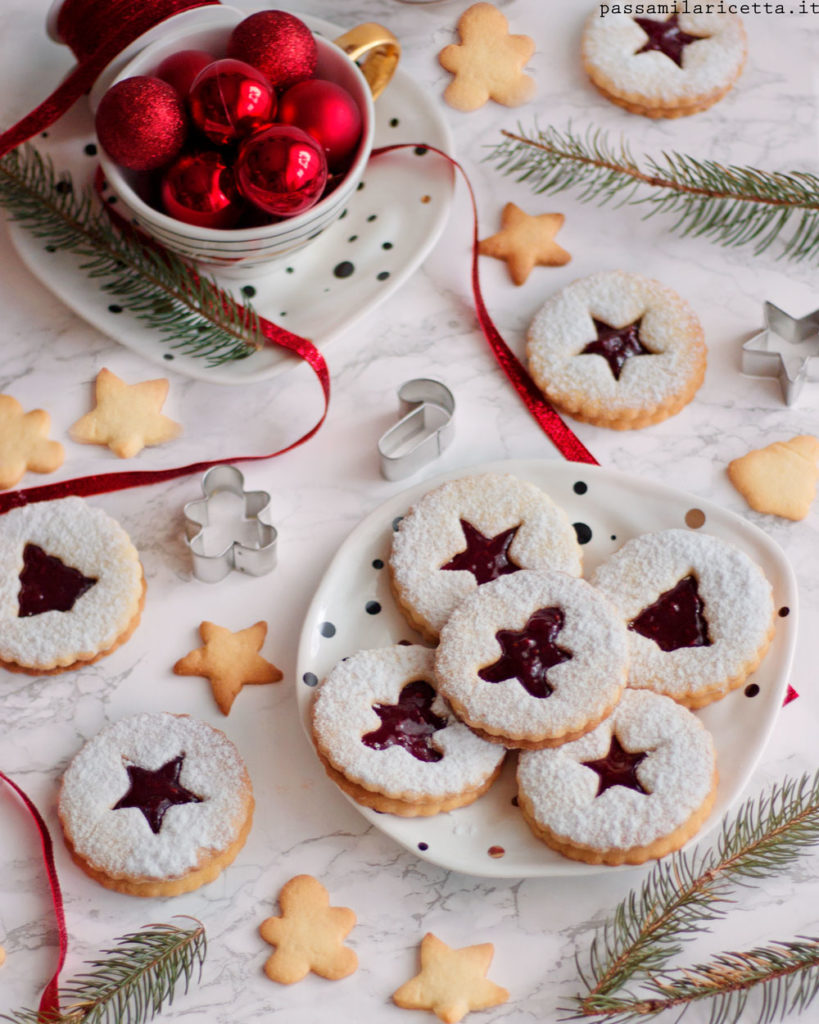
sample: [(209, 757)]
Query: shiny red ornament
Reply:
[(281, 170), (279, 44), (179, 69), (326, 112), (199, 188), (141, 123), (229, 99)]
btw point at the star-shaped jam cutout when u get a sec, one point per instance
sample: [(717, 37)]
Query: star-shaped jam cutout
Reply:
[(411, 723), (667, 37), (529, 653), (617, 344), (154, 792), (618, 768), (676, 619), (47, 584), (486, 558)]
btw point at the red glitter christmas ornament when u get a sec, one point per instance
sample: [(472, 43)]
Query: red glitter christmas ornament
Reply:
[(282, 170), (141, 123), (229, 99), (326, 112), (179, 69), (279, 44), (199, 188)]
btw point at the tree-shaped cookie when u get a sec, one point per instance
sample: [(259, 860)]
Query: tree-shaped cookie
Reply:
[(779, 479), (24, 442), (127, 417), (451, 981), (525, 242), (488, 63), (309, 935)]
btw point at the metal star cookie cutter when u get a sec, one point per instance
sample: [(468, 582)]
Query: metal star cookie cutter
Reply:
[(252, 545), (427, 408), (788, 348)]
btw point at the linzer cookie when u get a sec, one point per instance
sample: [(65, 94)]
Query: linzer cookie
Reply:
[(699, 612), (156, 805), (638, 787), (71, 586), (617, 350), (664, 67), (533, 659), (470, 531), (388, 739)]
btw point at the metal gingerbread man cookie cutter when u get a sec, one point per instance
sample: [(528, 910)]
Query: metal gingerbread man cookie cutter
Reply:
[(788, 348), (426, 427), (251, 547)]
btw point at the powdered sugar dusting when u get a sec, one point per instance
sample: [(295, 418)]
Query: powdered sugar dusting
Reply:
[(737, 599), (343, 713), (121, 842), (584, 687), (677, 773)]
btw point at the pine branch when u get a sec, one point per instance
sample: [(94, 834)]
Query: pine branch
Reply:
[(729, 204), (187, 308), (133, 982)]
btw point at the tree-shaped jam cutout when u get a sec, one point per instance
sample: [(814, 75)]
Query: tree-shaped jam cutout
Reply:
[(48, 584), (154, 792), (411, 723), (529, 653), (618, 768), (486, 558), (667, 37), (676, 619), (617, 344)]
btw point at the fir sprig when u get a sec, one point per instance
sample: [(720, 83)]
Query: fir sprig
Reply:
[(729, 204), (186, 307), (132, 982), (685, 892)]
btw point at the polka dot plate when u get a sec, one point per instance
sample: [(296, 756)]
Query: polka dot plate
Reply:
[(353, 608), (319, 292)]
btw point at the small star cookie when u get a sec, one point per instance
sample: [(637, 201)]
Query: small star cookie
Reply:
[(230, 661), (452, 981), (779, 479), (127, 417), (309, 935), (24, 442), (488, 64), (525, 242)]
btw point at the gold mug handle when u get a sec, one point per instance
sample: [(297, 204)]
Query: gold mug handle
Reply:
[(380, 49)]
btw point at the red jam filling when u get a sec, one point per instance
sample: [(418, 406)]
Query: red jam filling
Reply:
[(47, 584), (667, 37), (486, 558), (616, 345), (676, 619), (529, 653), (154, 792), (411, 723), (617, 768)]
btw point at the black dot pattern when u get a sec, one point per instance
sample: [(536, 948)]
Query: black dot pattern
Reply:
[(114, 308), (751, 690), (90, 149), (248, 291), (784, 611), (327, 629), (372, 607), (423, 846), (344, 269), (383, 275), (310, 678), (580, 487), (396, 522), (378, 563), (583, 531)]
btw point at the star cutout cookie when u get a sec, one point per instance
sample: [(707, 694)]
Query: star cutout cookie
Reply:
[(452, 981), (230, 661), (127, 417), (526, 242), (309, 935), (779, 479), (488, 63), (24, 442)]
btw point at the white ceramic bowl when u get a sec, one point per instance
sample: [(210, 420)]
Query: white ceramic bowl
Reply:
[(241, 248)]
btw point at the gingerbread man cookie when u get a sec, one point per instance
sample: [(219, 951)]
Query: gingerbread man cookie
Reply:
[(525, 242), (24, 442)]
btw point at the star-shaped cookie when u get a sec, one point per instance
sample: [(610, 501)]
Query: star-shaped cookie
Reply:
[(452, 981), (127, 417), (525, 242), (24, 442), (488, 63), (779, 479), (229, 660), (309, 935)]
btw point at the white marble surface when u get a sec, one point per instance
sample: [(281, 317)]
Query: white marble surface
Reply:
[(322, 490)]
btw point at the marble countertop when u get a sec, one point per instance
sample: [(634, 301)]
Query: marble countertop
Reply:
[(426, 327)]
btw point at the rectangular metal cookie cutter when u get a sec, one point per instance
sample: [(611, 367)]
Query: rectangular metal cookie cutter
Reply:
[(427, 408)]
